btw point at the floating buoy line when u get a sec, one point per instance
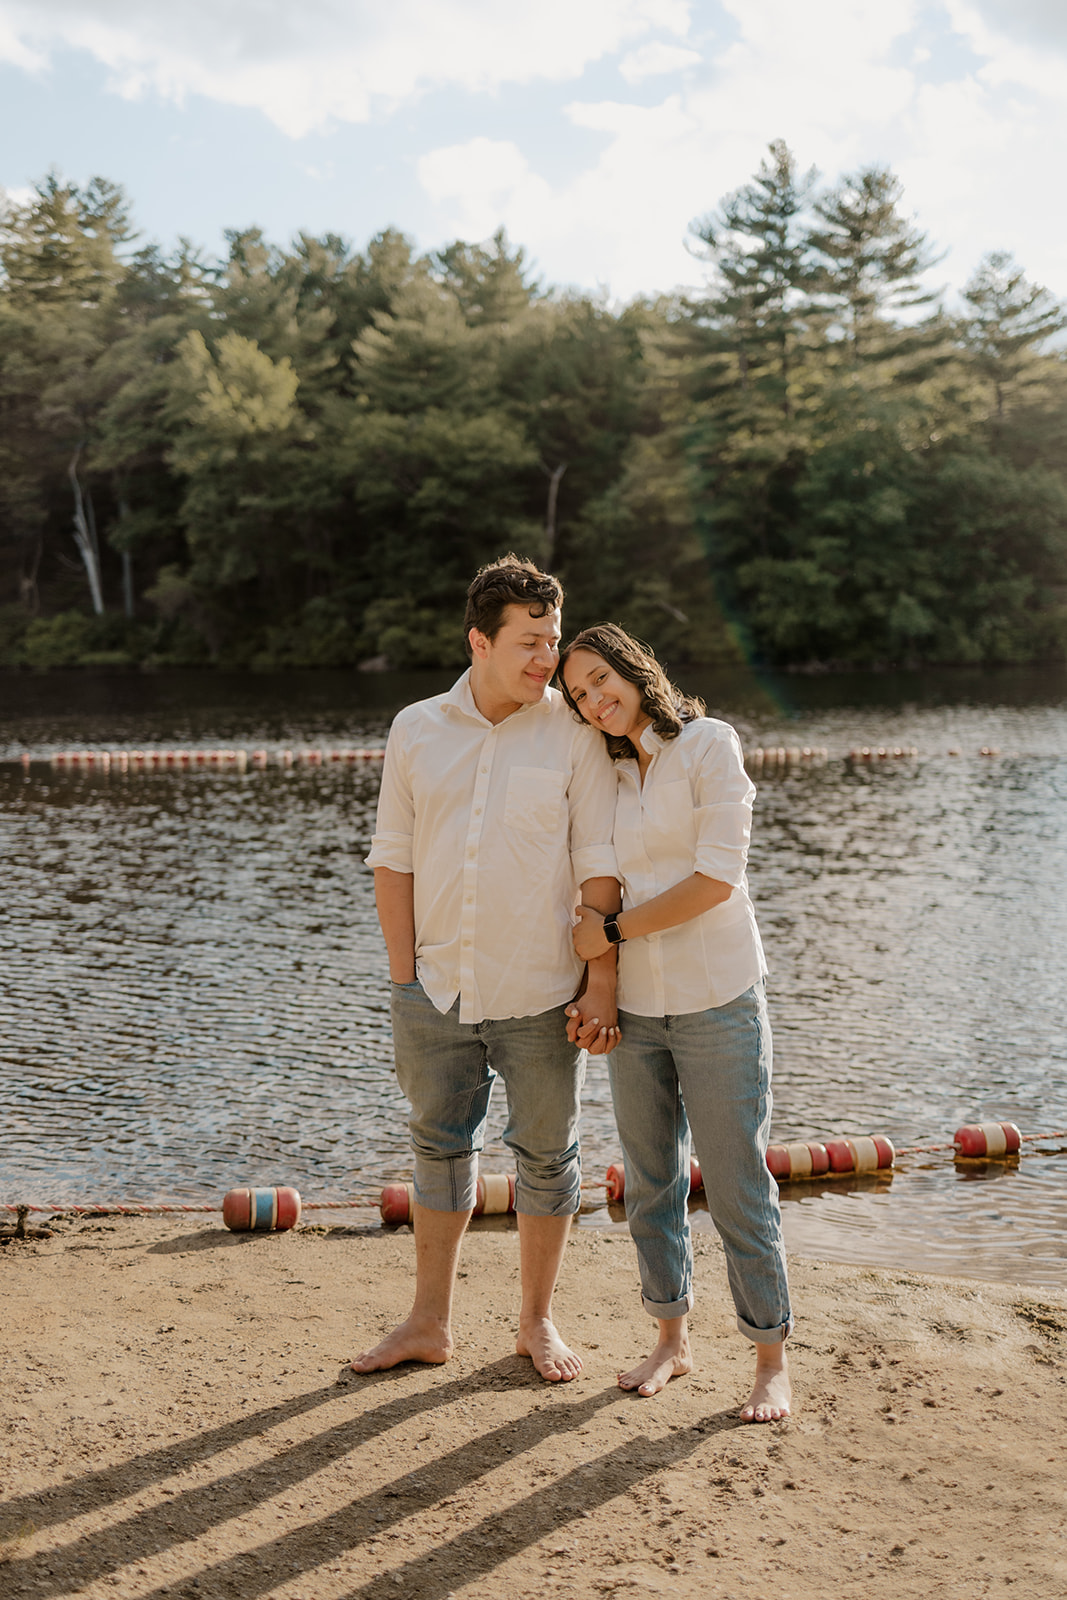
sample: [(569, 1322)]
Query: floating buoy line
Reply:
[(234, 760), (279, 1208), (763, 758)]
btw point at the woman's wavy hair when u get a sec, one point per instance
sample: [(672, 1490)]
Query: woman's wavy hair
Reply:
[(635, 661)]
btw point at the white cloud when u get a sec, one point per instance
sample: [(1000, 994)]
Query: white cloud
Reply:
[(478, 183), (1038, 21), (965, 99), (15, 49), (656, 58), (847, 84), (305, 64), (1009, 55)]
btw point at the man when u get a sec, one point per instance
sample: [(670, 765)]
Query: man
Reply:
[(496, 805)]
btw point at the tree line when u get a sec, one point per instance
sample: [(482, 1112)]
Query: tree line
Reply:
[(298, 456)]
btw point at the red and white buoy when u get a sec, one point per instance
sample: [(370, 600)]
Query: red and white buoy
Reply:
[(396, 1202), (494, 1196), (244, 1210), (615, 1180), (989, 1140), (792, 1161), (860, 1155)]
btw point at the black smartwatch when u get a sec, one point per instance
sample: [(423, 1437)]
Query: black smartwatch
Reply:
[(612, 932)]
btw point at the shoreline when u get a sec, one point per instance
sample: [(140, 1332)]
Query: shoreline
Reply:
[(175, 1419)]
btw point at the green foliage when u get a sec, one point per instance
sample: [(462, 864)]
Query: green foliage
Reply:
[(404, 634), (72, 639), (865, 494), (14, 623), (297, 457)]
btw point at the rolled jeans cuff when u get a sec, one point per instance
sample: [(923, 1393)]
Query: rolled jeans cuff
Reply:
[(667, 1313), (766, 1335), (450, 1184)]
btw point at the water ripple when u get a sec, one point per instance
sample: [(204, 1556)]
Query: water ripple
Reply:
[(195, 989)]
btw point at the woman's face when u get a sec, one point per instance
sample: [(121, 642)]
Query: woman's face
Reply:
[(605, 699)]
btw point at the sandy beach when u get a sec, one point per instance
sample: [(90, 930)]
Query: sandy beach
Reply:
[(176, 1420)]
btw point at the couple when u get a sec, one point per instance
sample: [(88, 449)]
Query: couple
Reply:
[(500, 800)]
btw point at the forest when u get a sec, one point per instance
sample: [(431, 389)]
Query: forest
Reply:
[(298, 456)]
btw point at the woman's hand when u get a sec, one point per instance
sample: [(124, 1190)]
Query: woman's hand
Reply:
[(590, 939)]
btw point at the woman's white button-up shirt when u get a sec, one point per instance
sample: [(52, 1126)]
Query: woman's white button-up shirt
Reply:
[(693, 813), (500, 824)]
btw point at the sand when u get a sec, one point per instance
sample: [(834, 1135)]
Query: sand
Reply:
[(175, 1420)]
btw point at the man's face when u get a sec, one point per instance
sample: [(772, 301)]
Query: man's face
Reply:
[(515, 668)]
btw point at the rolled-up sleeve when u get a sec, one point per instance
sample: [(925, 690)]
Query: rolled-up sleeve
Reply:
[(393, 843), (591, 797), (723, 794)]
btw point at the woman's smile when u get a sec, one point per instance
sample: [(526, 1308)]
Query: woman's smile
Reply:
[(603, 697)]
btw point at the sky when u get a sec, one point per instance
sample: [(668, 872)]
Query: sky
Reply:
[(594, 131)]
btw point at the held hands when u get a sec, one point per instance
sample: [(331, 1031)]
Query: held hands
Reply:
[(590, 940), (589, 1032), (592, 1017)]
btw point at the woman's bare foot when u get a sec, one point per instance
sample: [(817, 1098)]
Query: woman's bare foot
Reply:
[(539, 1339), (417, 1339), (671, 1358), (771, 1392)]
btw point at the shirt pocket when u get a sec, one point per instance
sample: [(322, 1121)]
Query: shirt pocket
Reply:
[(533, 802), (669, 823)]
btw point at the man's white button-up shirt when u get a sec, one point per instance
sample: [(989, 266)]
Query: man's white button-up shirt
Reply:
[(499, 824), (693, 813)]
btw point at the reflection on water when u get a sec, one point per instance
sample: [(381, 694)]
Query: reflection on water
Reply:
[(194, 987)]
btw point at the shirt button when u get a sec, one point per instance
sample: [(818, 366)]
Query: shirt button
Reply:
[(477, 811)]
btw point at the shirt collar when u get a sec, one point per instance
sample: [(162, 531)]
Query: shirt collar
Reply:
[(461, 698), (651, 742)]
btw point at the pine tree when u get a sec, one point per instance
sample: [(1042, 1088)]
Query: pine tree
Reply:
[(869, 258), (1008, 320), (757, 245)]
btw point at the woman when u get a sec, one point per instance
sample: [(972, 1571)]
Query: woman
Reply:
[(695, 1047)]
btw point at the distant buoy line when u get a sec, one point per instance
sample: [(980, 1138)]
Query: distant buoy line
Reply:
[(760, 759), (234, 760), (276, 1209)]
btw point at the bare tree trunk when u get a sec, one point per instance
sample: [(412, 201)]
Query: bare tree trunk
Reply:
[(127, 583), (127, 562), (554, 478), (29, 596), (84, 532)]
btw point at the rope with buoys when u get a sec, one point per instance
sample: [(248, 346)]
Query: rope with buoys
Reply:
[(276, 1209), (762, 758), (872, 1154), (239, 760)]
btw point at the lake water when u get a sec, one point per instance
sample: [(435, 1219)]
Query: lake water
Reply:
[(194, 991)]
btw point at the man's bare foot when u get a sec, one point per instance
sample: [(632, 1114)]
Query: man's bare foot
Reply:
[(539, 1339), (771, 1392), (670, 1359), (417, 1339)]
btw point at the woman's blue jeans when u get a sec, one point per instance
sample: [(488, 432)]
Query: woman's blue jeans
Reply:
[(708, 1072)]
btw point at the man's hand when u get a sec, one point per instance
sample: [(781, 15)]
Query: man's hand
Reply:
[(593, 1020), (588, 933)]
